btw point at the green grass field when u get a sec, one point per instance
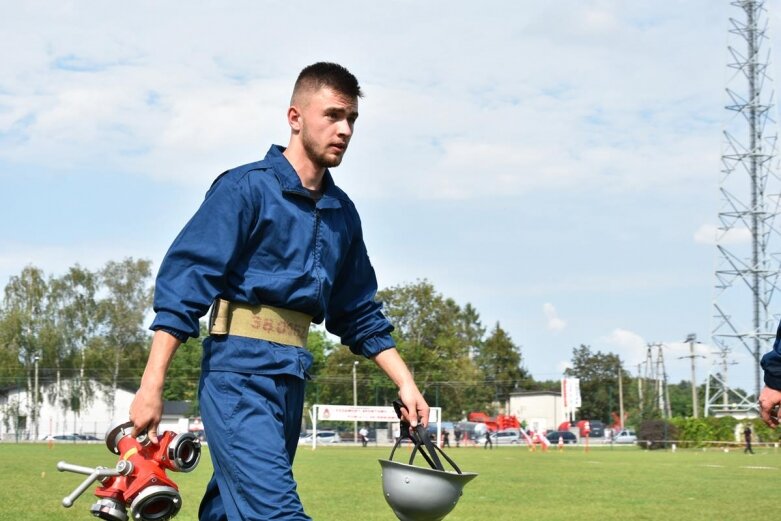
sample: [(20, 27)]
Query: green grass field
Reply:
[(343, 483)]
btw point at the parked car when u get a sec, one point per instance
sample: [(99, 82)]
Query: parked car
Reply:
[(597, 429), (566, 436), (322, 437), (625, 436), (510, 436), (61, 437)]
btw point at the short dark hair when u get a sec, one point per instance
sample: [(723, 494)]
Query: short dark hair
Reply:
[(327, 74)]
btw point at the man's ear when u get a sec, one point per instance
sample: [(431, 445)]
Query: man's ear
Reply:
[(294, 118)]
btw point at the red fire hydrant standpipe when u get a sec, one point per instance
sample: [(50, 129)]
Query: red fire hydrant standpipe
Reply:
[(139, 481)]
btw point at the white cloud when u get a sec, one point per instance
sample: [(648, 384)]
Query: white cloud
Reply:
[(681, 350), (631, 346), (450, 120), (55, 260), (711, 235), (554, 323)]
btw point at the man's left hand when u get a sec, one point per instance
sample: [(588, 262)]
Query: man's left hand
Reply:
[(416, 406)]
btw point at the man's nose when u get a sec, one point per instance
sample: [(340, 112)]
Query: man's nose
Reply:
[(345, 128)]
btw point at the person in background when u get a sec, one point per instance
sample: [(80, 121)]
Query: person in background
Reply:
[(747, 436), (488, 441)]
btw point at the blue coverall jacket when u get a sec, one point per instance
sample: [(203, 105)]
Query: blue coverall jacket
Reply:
[(260, 238)]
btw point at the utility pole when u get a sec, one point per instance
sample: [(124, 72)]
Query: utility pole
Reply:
[(692, 339), (640, 385), (620, 396), (35, 399), (695, 407), (667, 410)]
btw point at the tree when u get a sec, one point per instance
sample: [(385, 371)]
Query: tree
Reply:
[(74, 310), (77, 309), (499, 359), (320, 346), (121, 313), (24, 305), (598, 374), (436, 338), (681, 398), (184, 373), (25, 323)]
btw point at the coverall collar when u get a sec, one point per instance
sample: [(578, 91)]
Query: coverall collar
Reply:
[(290, 182)]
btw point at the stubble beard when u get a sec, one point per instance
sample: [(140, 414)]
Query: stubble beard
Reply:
[(320, 159)]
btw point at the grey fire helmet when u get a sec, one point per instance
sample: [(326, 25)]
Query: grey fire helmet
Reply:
[(418, 493)]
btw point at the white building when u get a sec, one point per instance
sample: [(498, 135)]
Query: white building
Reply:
[(17, 420), (541, 410)]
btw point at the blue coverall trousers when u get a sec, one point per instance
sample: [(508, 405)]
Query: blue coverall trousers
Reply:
[(252, 422)]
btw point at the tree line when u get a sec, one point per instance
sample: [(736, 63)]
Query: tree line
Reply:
[(89, 328)]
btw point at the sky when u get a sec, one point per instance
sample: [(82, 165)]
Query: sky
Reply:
[(555, 164)]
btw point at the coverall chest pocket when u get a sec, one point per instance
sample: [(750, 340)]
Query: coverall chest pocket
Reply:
[(334, 241), (285, 244)]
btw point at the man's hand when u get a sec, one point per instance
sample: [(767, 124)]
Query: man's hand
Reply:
[(769, 399), (146, 412), (416, 406), (147, 407)]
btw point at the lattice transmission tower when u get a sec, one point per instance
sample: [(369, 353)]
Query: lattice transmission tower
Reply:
[(652, 382), (747, 266)]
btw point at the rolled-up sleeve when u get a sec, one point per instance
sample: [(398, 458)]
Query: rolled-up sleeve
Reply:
[(194, 270), (353, 314), (771, 363)]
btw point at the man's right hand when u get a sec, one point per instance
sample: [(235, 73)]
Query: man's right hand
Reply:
[(147, 407), (146, 412), (769, 400)]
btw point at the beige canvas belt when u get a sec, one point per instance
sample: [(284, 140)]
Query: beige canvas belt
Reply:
[(262, 322)]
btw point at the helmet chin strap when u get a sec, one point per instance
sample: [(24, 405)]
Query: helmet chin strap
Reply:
[(421, 441)]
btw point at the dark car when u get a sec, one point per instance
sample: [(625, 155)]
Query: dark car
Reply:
[(566, 436), (597, 429)]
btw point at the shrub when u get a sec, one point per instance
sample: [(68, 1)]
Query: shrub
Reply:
[(764, 433), (694, 432), (654, 434)]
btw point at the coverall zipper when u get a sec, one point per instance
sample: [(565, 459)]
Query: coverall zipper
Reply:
[(316, 266), (317, 242)]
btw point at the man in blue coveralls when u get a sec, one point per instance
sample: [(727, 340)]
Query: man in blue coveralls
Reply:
[(274, 246)]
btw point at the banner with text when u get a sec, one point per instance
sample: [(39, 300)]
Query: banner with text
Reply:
[(570, 394), (363, 413)]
